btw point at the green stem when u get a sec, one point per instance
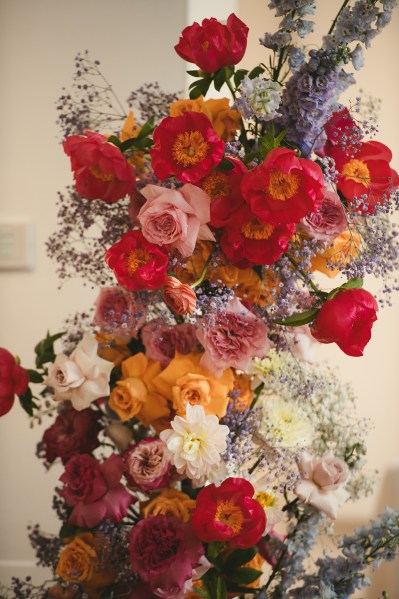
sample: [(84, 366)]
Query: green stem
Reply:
[(306, 277), (373, 553), (231, 88), (345, 3), (203, 273)]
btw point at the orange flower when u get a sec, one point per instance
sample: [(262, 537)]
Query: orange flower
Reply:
[(179, 297), (58, 592), (78, 560), (242, 384), (170, 502), (111, 348), (185, 381), (343, 248), (195, 264), (134, 395), (130, 130), (225, 121), (246, 284)]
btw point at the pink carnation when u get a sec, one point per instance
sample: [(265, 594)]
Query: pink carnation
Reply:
[(175, 217), (94, 490), (146, 465), (161, 340), (119, 312), (328, 221), (233, 338)]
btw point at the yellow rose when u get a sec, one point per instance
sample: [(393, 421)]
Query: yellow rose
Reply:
[(343, 248), (170, 502), (179, 107), (225, 120), (78, 560)]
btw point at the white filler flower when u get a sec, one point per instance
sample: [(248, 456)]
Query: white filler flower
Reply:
[(196, 442), (284, 424)]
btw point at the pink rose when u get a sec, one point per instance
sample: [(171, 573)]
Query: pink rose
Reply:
[(232, 338), (328, 221), (146, 465), (119, 312), (175, 217), (322, 483), (161, 340), (94, 490)]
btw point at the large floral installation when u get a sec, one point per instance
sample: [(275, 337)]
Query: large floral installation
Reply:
[(204, 449)]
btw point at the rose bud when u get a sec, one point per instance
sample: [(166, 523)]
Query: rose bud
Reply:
[(346, 320), (14, 380), (179, 297)]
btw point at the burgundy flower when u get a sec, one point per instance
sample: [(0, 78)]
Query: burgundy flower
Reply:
[(146, 465), (14, 380), (161, 340)]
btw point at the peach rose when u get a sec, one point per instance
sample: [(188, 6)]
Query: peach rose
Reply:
[(194, 265), (78, 560), (170, 502), (344, 247), (246, 284), (179, 297)]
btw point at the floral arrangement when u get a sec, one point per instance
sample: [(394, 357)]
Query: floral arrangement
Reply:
[(204, 450)]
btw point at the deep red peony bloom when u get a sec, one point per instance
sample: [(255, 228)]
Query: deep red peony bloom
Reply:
[(164, 551), (94, 490), (72, 432), (284, 188), (367, 175), (228, 513), (224, 189), (100, 169), (137, 263), (213, 45), (186, 146), (342, 133), (14, 380), (346, 320), (247, 240)]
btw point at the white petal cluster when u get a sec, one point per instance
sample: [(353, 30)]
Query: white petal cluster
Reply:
[(284, 424), (259, 97)]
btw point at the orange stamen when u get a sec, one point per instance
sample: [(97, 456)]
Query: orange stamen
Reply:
[(358, 171), (230, 514), (283, 186), (136, 259), (256, 230), (189, 148), (216, 184)]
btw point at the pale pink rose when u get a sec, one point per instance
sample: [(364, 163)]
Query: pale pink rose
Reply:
[(232, 338), (327, 221), (175, 217), (81, 377), (302, 344), (161, 340), (146, 466), (322, 483), (119, 312), (179, 297)]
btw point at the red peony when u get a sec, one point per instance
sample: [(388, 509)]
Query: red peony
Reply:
[(72, 432), (342, 132), (186, 146), (284, 188), (94, 490), (213, 45), (164, 551), (100, 169), (247, 240), (228, 513), (367, 175), (346, 320), (137, 263), (14, 380)]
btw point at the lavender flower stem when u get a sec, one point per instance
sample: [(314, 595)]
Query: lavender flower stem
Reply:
[(345, 3)]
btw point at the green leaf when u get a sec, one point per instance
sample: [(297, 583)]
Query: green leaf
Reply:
[(219, 79), (199, 88), (221, 589), (238, 558), (44, 350), (256, 71), (239, 76), (69, 530), (259, 270), (356, 283), (27, 403), (224, 165), (201, 592), (34, 376), (146, 129), (114, 140), (194, 73), (244, 575), (297, 320)]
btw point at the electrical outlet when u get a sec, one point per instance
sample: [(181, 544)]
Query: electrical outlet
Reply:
[(16, 245)]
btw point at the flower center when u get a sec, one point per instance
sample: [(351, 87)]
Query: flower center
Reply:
[(98, 174), (257, 230), (358, 171), (136, 259), (230, 514), (191, 444), (265, 499), (189, 148), (216, 184), (282, 186)]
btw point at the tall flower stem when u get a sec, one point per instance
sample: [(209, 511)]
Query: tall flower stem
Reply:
[(345, 3)]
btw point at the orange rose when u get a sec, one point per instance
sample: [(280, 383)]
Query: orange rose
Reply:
[(130, 130), (170, 502), (186, 105), (58, 592), (179, 297), (185, 381), (195, 264), (112, 349), (78, 560), (225, 121), (246, 283), (242, 393), (343, 248)]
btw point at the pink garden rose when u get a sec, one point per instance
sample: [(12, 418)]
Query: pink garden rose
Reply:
[(179, 297), (146, 465), (328, 221), (94, 490), (232, 338), (175, 217), (119, 312), (161, 340), (322, 483)]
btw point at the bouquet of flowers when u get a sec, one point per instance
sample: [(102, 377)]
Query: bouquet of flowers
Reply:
[(204, 450)]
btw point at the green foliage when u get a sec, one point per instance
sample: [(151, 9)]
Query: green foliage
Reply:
[(27, 403), (297, 320), (44, 350)]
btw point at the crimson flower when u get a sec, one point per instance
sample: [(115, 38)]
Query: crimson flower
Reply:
[(229, 513), (100, 169), (342, 133), (284, 188), (213, 45), (137, 263), (14, 380), (186, 146), (346, 320)]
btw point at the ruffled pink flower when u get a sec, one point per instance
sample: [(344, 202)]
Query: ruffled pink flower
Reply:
[(175, 217), (94, 490), (161, 340), (322, 483), (328, 221), (119, 312), (146, 465), (233, 338)]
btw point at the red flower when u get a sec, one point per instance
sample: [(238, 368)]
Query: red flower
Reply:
[(94, 490), (14, 380), (137, 263), (186, 146), (228, 513), (100, 169), (247, 240), (284, 188), (72, 432), (346, 320), (342, 133), (213, 45), (224, 189), (367, 176)]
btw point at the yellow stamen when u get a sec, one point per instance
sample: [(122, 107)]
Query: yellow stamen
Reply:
[(282, 186), (358, 171), (136, 259), (189, 148), (230, 514), (216, 184), (98, 174), (256, 230), (265, 499)]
